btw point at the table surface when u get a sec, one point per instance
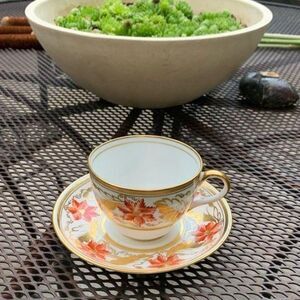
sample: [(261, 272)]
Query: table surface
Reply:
[(48, 126)]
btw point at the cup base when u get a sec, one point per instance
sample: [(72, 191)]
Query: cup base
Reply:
[(142, 240)]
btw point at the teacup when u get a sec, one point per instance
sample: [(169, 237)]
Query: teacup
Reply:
[(145, 184)]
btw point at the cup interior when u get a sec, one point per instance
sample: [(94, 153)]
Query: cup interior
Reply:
[(145, 163)]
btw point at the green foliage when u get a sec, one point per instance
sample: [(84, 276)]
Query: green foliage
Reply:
[(148, 18)]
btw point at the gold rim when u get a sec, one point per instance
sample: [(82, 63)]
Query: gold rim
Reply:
[(79, 182), (144, 192)]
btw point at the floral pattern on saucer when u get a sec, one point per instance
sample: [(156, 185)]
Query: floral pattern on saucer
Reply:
[(160, 260), (97, 250), (82, 227), (206, 232), (80, 210)]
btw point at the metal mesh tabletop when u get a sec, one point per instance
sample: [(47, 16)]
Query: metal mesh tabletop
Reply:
[(48, 126)]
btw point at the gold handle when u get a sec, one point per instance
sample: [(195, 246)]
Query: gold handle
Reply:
[(216, 174), (197, 201)]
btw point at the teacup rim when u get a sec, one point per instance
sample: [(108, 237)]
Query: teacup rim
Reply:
[(144, 192)]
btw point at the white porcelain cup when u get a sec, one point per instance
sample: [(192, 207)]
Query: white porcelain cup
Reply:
[(145, 184)]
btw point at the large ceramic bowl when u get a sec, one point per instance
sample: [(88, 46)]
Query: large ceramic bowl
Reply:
[(149, 72)]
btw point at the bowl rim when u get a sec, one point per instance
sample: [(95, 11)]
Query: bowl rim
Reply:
[(267, 17)]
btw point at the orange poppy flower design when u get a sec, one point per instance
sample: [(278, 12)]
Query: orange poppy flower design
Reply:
[(207, 231), (97, 250), (81, 210), (137, 212), (163, 260)]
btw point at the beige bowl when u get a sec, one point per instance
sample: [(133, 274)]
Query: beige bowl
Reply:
[(149, 72)]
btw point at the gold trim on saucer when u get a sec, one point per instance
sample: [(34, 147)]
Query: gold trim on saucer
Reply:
[(144, 192), (56, 216)]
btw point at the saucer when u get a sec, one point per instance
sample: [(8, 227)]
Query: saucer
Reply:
[(85, 231)]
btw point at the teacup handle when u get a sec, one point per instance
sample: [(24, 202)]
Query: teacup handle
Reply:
[(200, 199)]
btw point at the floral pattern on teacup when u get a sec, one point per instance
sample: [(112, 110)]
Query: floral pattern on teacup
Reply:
[(136, 212), (143, 212)]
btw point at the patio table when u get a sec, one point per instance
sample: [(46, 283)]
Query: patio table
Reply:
[(48, 126)]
